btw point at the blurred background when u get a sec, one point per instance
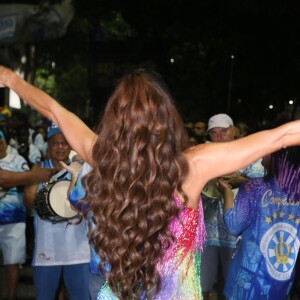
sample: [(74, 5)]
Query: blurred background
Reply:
[(236, 57)]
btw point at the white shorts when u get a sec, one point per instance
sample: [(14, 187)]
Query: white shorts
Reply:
[(13, 243)]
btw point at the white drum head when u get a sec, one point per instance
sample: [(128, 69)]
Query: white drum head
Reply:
[(58, 200)]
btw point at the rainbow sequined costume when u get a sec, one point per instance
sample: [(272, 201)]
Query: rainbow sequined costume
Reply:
[(180, 266)]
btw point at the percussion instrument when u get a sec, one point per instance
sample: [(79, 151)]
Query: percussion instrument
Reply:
[(210, 189), (52, 203)]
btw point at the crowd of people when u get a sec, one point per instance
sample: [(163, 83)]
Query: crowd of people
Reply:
[(158, 207)]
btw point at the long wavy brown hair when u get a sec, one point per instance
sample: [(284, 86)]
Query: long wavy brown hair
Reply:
[(138, 164)]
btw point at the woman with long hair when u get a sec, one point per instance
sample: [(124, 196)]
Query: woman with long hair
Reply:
[(143, 191)]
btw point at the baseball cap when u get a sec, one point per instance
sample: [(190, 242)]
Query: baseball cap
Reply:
[(52, 130), (219, 120)]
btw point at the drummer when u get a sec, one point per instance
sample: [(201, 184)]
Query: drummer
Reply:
[(61, 249), (12, 218), (219, 244)]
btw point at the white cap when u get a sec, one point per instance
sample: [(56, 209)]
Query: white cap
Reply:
[(220, 120)]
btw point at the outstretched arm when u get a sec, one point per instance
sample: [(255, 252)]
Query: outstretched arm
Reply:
[(9, 179), (79, 135), (207, 161)]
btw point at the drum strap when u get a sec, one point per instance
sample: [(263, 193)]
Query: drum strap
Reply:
[(58, 176)]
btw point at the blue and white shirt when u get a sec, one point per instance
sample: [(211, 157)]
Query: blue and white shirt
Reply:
[(35, 154), (216, 231), (12, 209), (263, 263), (60, 243)]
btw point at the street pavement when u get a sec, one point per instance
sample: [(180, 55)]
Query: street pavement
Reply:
[(25, 289)]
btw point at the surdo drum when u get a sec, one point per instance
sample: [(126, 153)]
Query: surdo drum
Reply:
[(52, 203)]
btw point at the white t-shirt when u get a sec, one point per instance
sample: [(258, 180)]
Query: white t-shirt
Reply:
[(60, 243)]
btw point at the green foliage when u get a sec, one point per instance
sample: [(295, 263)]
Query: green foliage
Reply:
[(72, 87), (45, 81), (115, 27)]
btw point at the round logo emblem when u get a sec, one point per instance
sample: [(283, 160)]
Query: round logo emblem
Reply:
[(280, 245)]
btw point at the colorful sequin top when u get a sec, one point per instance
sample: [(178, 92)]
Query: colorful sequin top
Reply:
[(180, 267)]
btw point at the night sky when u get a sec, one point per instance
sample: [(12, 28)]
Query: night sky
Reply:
[(232, 56), (239, 57)]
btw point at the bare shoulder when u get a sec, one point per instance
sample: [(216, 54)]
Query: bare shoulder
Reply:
[(197, 177), (198, 158)]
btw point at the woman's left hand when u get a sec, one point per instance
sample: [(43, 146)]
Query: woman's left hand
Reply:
[(73, 168)]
